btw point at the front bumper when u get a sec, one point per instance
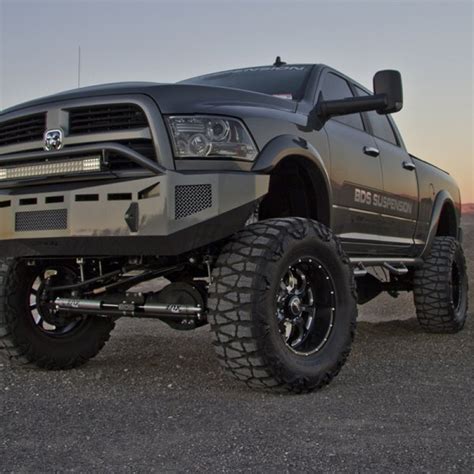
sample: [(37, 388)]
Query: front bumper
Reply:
[(167, 214)]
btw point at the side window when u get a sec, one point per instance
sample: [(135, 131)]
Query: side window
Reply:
[(380, 123), (335, 88)]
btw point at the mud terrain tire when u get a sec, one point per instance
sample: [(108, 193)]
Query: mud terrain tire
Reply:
[(22, 342), (441, 288), (244, 311)]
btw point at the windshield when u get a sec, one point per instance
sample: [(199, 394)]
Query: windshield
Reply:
[(288, 81)]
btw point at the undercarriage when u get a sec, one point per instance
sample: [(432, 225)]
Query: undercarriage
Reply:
[(172, 290), (73, 289)]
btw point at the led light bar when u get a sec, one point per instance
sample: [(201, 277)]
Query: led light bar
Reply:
[(50, 168)]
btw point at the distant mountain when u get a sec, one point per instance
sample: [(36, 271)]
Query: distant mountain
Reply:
[(468, 208)]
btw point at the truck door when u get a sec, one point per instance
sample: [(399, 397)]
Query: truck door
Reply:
[(398, 204), (356, 173)]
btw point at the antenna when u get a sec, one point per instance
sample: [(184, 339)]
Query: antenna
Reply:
[(79, 66), (278, 62)]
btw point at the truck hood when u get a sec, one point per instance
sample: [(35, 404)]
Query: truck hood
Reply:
[(173, 98)]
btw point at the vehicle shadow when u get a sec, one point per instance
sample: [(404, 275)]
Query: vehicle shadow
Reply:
[(149, 353)]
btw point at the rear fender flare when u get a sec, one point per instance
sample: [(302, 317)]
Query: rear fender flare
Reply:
[(441, 199)]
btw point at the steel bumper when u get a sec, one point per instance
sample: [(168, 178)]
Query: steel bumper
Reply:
[(162, 215)]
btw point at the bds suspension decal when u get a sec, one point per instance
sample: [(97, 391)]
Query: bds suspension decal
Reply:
[(370, 198)]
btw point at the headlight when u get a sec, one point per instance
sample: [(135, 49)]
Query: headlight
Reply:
[(203, 136)]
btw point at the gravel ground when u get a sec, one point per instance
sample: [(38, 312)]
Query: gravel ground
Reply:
[(155, 399)]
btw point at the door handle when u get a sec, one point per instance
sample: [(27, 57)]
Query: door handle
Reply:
[(371, 151), (408, 165)]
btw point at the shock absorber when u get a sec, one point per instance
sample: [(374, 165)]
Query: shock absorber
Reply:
[(129, 308)]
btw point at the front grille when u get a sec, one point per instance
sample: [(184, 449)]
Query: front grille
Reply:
[(84, 120), (55, 219), (24, 129), (192, 198), (144, 147), (116, 161), (106, 118)]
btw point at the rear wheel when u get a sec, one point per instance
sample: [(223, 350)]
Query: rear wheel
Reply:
[(31, 331), (283, 305), (441, 288)]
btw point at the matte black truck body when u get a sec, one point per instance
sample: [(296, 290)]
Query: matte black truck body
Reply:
[(269, 200), (377, 206)]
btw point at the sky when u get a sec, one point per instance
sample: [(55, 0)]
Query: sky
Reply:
[(429, 42)]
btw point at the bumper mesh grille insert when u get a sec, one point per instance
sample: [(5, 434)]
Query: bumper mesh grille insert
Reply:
[(192, 198), (54, 219), (23, 129)]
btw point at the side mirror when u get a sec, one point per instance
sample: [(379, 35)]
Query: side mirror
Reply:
[(387, 99), (389, 83)]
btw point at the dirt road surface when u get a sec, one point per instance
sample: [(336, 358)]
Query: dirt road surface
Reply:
[(156, 400)]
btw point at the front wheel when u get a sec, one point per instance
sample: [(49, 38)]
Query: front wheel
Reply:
[(30, 330), (283, 305)]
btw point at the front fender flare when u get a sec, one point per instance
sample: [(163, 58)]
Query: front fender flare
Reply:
[(285, 146)]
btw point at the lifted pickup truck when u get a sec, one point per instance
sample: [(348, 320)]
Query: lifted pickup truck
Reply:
[(271, 200)]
